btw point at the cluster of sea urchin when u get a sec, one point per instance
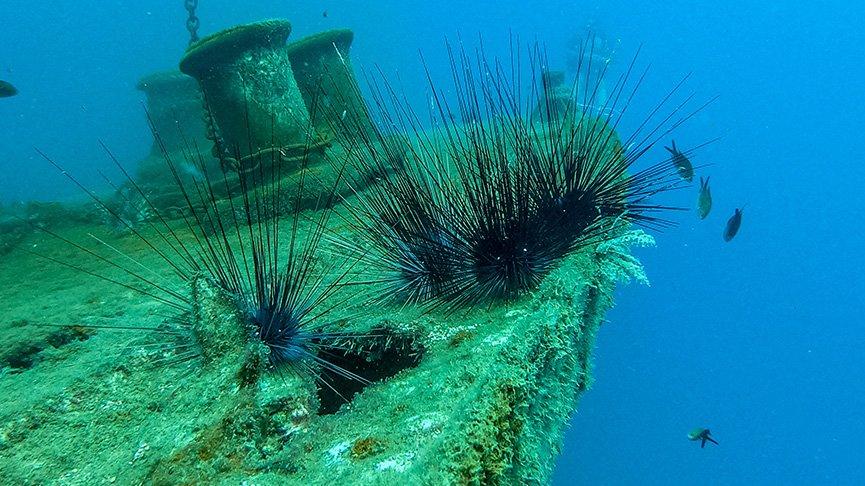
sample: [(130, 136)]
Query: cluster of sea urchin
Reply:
[(492, 199)]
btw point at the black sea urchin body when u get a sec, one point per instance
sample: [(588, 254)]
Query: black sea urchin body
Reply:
[(279, 278), (481, 211), (284, 334)]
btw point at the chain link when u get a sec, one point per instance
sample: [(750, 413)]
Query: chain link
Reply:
[(212, 134), (192, 21)]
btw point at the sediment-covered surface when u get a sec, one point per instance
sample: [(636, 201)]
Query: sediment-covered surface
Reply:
[(469, 397)]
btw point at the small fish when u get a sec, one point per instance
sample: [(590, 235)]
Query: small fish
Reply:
[(7, 90), (703, 435), (682, 164), (704, 201), (324, 14), (733, 225)]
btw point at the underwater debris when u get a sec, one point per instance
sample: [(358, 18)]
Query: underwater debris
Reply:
[(556, 96), (600, 58), (733, 225), (482, 211), (250, 90), (704, 200), (176, 109)]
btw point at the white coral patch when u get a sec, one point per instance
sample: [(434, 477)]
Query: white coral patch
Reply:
[(337, 450), (496, 340), (398, 463)]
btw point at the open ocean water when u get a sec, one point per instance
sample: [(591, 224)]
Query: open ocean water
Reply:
[(760, 339)]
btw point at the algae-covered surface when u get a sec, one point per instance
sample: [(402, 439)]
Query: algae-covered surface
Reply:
[(469, 397)]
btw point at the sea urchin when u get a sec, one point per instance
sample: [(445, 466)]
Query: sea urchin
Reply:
[(487, 202)]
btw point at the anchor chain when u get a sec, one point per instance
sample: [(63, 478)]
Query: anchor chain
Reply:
[(192, 21), (212, 131), (218, 150)]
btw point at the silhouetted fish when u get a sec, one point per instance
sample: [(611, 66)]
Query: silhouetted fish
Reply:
[(703, 435), (7, 90), (683, 165), (704, 201), (733, 225)]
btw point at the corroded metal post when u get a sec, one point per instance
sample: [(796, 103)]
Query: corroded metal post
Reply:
[(249, 87), (322, 68), (174, 107)]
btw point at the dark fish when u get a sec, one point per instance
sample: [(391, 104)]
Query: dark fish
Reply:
[(7, 90), (704, 201), (703, 435), (733, 225), (683, 165), (324, 14)]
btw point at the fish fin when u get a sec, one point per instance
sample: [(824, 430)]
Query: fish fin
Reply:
[(671, 150), (674, 145), (712, 440), (703, 443)]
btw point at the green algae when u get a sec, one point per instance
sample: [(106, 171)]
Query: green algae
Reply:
[(487, 403), (473, 397)]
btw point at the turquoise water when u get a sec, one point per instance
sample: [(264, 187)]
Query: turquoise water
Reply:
[(758, 339)]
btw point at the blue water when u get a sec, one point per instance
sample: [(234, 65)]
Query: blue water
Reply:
[(759, 339)]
